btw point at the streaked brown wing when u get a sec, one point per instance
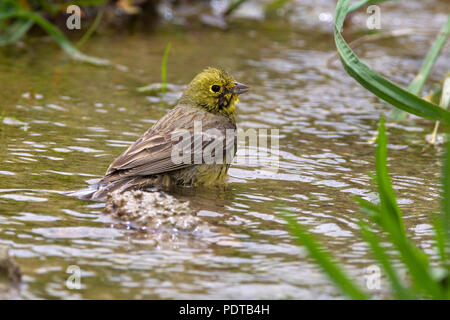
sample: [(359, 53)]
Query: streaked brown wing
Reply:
[(152, 153)]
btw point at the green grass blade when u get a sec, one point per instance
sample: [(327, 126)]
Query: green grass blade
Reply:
[(92, 28), (325, 261), (86, 3), (442, 222), (419, 269), (439, 237), (374, 82), (434, 52), (16, 31), (164, 67), (381, 256), (445, 93), (416, 85), (56, 34), (275, 5), (371, 209)]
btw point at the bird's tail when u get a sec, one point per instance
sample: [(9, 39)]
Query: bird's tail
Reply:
[(98, 191)]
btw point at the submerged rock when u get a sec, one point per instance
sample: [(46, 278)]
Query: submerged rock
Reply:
[(152, 211), (163, 221)]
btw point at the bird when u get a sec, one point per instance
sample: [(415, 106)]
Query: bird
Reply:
[(193, 144)]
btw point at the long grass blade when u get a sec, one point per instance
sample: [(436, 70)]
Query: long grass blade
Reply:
[(275, 5), (164, 67), (233, 6), (374, 82), (92, 28), (440, 238), (380, 254), (361, 3), (16, 31), (445, 213), (390, 219), (442, 222), (325, 261), (371, 209), (56, 34), (416, 85)]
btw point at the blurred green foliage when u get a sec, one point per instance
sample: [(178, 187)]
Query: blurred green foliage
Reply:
[(423, 280)]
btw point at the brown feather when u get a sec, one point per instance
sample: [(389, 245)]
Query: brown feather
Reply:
[(148, 162)]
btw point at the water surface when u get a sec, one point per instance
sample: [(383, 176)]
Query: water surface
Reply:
[(66, 121)]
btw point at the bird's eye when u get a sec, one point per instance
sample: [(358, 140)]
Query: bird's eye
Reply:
[(215, 88)]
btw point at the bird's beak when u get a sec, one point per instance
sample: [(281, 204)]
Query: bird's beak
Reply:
[(239, 88)]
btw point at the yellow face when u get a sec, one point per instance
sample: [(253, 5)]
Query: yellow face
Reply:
[(215, 91)]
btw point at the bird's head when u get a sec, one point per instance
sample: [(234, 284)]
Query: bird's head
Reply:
[(214, 90)]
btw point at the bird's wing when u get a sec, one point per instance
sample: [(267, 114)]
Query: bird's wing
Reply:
[(154, 152)]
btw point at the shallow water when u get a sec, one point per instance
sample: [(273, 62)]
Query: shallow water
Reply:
[(66, 121)]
